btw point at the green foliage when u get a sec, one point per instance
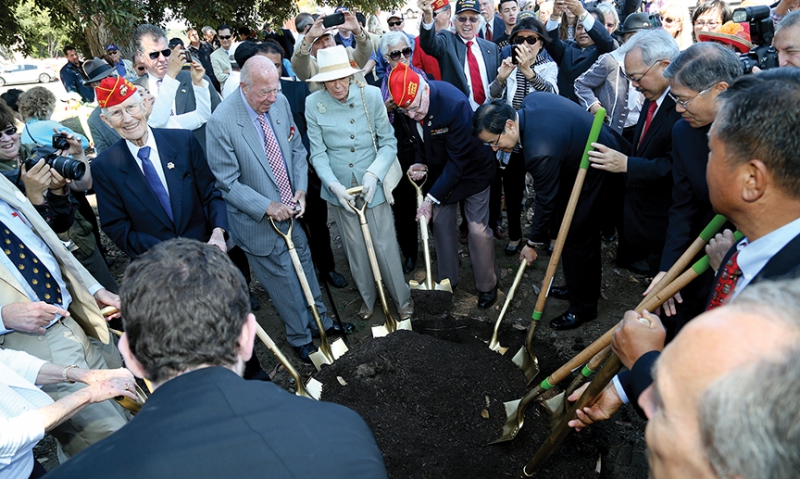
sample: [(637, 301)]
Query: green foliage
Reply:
[(41, 38)]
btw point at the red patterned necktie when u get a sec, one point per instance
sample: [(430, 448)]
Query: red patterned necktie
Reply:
[(726, 282), (478, 93), (651, 111), (488, 33), (275, 158)]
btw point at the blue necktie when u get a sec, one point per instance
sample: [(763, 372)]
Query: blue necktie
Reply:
[(30, 267), (154, 181)]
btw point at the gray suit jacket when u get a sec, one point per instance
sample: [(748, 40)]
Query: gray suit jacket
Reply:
[(184, 99), (243, 173), (102, 134)]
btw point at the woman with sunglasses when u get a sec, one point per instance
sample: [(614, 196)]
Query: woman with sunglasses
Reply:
[(526, 67), (351, 144), (395, 49), (676, 20)]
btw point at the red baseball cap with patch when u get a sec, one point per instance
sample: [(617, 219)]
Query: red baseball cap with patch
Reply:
[(113, 90), (403, 85), (437, 4)]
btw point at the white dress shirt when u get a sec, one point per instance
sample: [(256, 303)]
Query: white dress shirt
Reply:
[(154, 157), (164, 112)]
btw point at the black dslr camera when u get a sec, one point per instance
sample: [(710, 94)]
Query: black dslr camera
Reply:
[(763, 55), (66, 167)]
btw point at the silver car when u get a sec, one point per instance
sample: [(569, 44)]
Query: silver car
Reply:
[(27, 73)]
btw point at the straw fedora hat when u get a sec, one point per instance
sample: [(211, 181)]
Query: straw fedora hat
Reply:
[(333, 64)]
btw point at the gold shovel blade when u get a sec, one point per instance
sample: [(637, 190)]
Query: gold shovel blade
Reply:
[(312, 390), (444, 286), (379, 331), (530, 367), (413, 284), (338, 348), (497, 348), (405, 324), (513, 423), (319, 358)]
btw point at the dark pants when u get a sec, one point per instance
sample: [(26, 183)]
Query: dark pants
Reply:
[(514, 188), (316, 218), (238, 258), (496, 199), (581, 254)]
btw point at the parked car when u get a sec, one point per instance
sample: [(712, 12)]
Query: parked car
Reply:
[(26, 73)]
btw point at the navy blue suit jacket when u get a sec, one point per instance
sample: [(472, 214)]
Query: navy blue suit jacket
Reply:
[(553, 134), (459, 164), (573, 60), (130, 212), (210, 423)]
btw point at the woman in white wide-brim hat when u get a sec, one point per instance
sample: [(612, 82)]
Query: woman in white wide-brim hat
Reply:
[(341, 121)]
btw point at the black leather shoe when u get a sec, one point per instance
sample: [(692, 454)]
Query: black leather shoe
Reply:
[(255, 305), (638, 267), (335, 330), (559, 292), (305, 351), (335, 279), (569, 321), (487, 299), (408, 265)]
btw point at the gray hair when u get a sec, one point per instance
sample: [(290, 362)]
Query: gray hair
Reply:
[(750, 422), (655, 45), (207, 29), (150, 31), (790, 20), (608, 11), (256, 65), (136, 95), (703, 65), (390, 39)]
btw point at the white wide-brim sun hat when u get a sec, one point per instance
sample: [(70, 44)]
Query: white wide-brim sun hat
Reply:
[(334, 63)]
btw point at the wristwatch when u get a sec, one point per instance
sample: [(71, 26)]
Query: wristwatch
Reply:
[(583, 16), (532, 245)]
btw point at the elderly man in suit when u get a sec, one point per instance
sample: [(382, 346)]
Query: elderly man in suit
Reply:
[(550, 131), (156, 184), (459, 168), (259, 160), (49, 308), (175, 90), (203, 420), (648, 168), (462, 51)]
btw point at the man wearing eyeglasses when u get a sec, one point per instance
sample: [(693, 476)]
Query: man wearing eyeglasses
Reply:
[(648, 167), (423, 61), (221, 57), (178, 92), (116, 61), (467, 62)]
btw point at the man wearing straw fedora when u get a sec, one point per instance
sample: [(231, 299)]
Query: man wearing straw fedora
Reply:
[(258, 158), (203, 419)]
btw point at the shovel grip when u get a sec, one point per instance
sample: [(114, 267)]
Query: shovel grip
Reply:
[(594, 134)]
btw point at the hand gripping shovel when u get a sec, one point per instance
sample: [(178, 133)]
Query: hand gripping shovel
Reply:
[(327, 353), (494, 344), (556, 404), (312, 390), (428, 285), (391, 324), (525, 359), (515, 410)]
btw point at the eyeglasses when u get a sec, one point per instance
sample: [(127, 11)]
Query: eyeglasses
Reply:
[(225, 37), (669, 20), (395, 55), (116, 115), (113, 52), (710, 25), (638, 80), (9, 131), (468, 19), (266, 93), (685, 103), (141, 69), (154, 55), (395, 24), (529, 40), (496, 142)]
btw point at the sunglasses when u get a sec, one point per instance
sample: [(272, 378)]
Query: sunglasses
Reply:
[(395, 55), (395, 24), (154, 55), (112, 52), (225, 37), (528, 40), (9, 131), (468, 19)]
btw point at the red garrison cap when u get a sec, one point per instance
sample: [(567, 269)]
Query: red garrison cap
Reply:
[(403, 85), (113, 90)]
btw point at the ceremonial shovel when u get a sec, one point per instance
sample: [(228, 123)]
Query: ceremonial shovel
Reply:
[(312, 390), (494, 344), (428, 285), (327, 353), (391, 324), (525, 359)]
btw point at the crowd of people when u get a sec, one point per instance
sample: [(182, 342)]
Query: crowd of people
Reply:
[(199, 151)]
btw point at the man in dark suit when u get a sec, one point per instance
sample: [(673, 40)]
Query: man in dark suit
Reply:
[(550, 129), (493, 26), (574, 57), (155, 184), (458, 167), (753, 175), (461, 51), (203, 420), (648, 169), (180, 93)]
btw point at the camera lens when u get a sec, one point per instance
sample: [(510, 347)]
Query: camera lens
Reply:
[(68, 168)]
